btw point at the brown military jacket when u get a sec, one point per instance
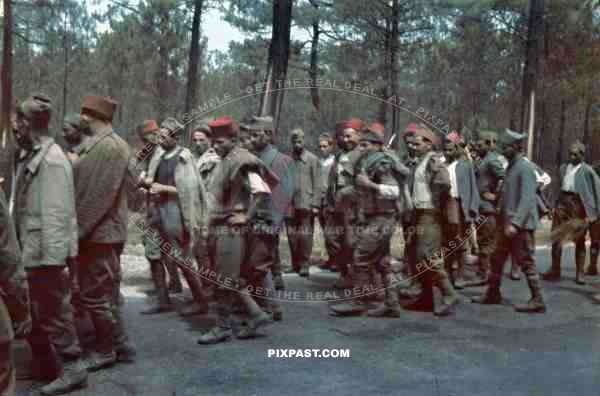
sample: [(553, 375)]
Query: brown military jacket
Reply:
[(14, 293), (45, 206), (101, 201), (307, 170), (229, 191)]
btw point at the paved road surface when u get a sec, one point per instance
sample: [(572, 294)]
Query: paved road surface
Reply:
[(479, 351)]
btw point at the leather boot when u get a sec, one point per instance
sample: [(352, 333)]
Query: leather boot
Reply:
[(553, 274), (356, 305), (100, 360), (391, 306), (592, 269), (424, 301), (481, 278), (222, 330), (536, 303), (344, 281), (164, 301), (175, 285), (492, 294), (72, 377), (378, 293), (199, 305), (257, 317), (579, 265), (449, 297)]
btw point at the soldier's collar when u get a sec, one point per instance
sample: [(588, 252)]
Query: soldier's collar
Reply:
[(40, 150)]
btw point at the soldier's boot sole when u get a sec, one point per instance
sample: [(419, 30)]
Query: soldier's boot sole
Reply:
[(195, 308), (446, 308), (385, 311), (488, 298), (73, 377), (347, 309), (531, 306), (215, 336), (98, 362)]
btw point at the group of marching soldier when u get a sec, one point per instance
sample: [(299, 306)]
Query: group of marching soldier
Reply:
[(214, 214)]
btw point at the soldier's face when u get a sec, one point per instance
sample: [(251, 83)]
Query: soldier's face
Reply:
[(200, 142), (223, 146), (450, 151), (168, 140), (244, 142), (421, 146), (367, 147), (85, 124), (298, 143), (575, 156), (351, 139), (71, 134), (23, 133), (325, 148), (259, 139), (509, 151)]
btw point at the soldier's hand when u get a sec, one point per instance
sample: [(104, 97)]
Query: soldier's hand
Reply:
[(315, 211), (363, 181), (156, 188), (510, 230), (237, 219), (72, 156), (488, 196)]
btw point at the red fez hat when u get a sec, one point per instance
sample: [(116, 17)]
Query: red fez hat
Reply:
[(374, 133), (352, 123), (411, 128), (147, 127), (224, 126), (454, 137), (100, 107), (428, 134)]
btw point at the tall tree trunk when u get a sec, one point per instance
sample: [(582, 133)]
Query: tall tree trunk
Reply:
[(313, 72), (162, 73), (532, 72), (191, 96), (66, 67), (394, 44), (279, 52), (6, 162), (563, 122)]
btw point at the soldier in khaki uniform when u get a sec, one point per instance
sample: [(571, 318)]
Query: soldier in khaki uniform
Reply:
[(429, 184), (327, 158), (206, 162), (148, 148), (15, 314), (238, 198), (341, 203), (490, 175), (377, 189), (101, 205), (44, 214), (518, 221), (176, 189), (461, 209), (579, 198), (306, 203)]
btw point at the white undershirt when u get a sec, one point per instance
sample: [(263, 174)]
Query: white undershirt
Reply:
[(453, 180), (568, 183)]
